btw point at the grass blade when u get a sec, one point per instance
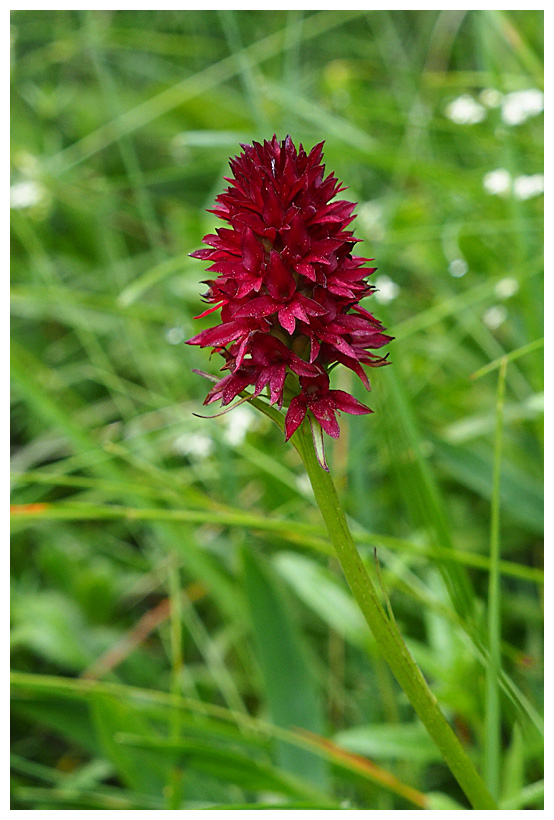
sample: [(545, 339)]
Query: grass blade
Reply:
[(491, 762)]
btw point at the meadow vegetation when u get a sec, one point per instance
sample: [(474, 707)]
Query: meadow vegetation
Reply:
[(182, 636)]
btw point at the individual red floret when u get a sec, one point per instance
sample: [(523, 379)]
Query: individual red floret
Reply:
[(323, 403)]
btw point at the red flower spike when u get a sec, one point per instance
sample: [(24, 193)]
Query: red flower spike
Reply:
[(288, 287)]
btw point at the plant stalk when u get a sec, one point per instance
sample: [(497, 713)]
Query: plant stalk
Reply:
[(385, 631), (493, 718)]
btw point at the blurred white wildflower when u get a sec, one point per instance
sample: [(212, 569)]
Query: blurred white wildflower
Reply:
[(490, 97), (387, 290), (237, 425), (370, 215), (497, 182), (465, 110), (506, 287), (197, 445), (458, 268), (175, 335), (495, 316), (526, 187), (520, 105), (26, 194)]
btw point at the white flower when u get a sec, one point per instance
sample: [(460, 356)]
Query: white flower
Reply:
[(197, 445), (175, 335), (370, 216), (506, 287), (520, 105), (526, 187), (25, 194), (497, 182), (495, 316), (387, 290), (465, 110), (237, 425), (458, 268)]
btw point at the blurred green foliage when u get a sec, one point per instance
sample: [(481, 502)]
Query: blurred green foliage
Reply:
[(176, 609)]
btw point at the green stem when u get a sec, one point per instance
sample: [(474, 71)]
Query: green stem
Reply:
[(491, 763), (174, 786), (385, 631)]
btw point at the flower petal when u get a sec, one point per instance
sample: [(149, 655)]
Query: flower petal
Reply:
[(295, 416), (348, 404)]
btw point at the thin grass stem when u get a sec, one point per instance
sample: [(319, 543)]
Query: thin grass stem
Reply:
[(491, 762), (174, 787)]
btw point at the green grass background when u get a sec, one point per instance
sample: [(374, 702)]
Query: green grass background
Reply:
[(190, 550)]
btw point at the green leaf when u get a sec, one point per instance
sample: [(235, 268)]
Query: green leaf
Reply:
[(141, 770), (100, 799), (513, 772), (292, 696), (437, 801), (228, 764), (52, 625), (406, 741), (325, 595), (66, 717), (521, 496)]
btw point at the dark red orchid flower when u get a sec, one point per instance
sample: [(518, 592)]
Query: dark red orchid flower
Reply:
[(288, 287)]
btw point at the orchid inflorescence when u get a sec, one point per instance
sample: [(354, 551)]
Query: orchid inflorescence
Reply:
[(288, 287)]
